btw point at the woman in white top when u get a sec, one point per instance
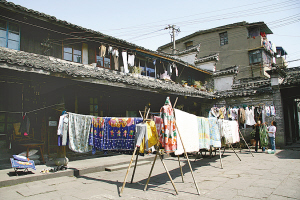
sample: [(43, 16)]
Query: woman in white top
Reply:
[(272, 131)]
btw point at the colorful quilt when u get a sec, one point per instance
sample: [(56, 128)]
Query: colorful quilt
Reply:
[(112, 133)]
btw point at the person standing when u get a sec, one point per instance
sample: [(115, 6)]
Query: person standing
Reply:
[(257, 137), (272, 132)]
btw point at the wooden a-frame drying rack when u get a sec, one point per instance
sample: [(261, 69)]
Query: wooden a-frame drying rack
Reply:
[(159, 153)]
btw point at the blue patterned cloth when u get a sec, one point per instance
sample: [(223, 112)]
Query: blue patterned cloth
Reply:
[(110, 133), (215, 137)]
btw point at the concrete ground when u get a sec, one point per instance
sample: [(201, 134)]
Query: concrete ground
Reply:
[(264, 176)]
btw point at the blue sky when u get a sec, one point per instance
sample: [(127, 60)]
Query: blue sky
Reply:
[(143, 22)]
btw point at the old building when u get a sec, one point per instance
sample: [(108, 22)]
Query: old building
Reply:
[(247, 70), (240, 44), (48, 65)]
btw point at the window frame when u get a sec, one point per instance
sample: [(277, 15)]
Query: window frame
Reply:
[(7, 31), (251, 57), (223, 38), (94, 106), (73, 47), (147, 66), (107, 56), (189, 45)]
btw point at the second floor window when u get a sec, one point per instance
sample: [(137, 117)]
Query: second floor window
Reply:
[(223, 38), (147, 68), (188, 45), (73, 53), (255, 57), (103, 61), (9, 35)]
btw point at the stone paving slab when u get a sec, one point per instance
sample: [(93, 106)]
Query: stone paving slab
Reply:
[(256, 177)]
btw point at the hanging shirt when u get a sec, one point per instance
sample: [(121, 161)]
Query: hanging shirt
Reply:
[(234, 113), (131, 60), (268, 111), (141, 136), (222, 112), (115, 52), (273, 113), (249, 116), (151, 138), (241, 116), (110, 49)]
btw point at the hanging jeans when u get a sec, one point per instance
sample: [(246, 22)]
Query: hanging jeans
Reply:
[(272, 142)]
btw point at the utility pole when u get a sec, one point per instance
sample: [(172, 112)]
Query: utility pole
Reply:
[(177, 30)]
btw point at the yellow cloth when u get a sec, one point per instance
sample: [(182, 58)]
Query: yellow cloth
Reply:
[(152, 136)]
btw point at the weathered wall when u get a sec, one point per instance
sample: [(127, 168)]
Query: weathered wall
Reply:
[(223, 83)]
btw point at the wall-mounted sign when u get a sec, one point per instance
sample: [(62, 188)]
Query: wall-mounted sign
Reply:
[(52, 123)]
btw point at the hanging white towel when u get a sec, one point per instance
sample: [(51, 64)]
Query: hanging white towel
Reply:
[(110, 49)]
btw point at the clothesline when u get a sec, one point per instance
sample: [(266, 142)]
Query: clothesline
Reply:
[(18, 112)]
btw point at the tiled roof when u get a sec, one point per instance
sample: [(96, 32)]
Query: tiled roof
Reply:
[(248, 83), (51, 65), (292, 76), (207, 58), (229, 70), (53, 19), (193, 49), (245, 92), (247, 87)]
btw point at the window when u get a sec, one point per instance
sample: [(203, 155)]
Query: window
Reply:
[(223, 38), (73, 53), (253, 32), (94, 107), (9, 35), (255, 57), (103, 61), (189, 44), (147, 68)]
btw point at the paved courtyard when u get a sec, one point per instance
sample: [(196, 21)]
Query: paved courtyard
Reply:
[(264, 176)]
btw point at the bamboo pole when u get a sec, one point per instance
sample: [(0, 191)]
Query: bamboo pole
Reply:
[(246, 143), (187, 159), (235, 152), (220, 158), (157, 152), (128, 170), (180, 169), (136, 160), (168, 173)]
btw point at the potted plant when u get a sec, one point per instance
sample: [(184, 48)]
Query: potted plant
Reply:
[(198, 84), (184, 83)]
